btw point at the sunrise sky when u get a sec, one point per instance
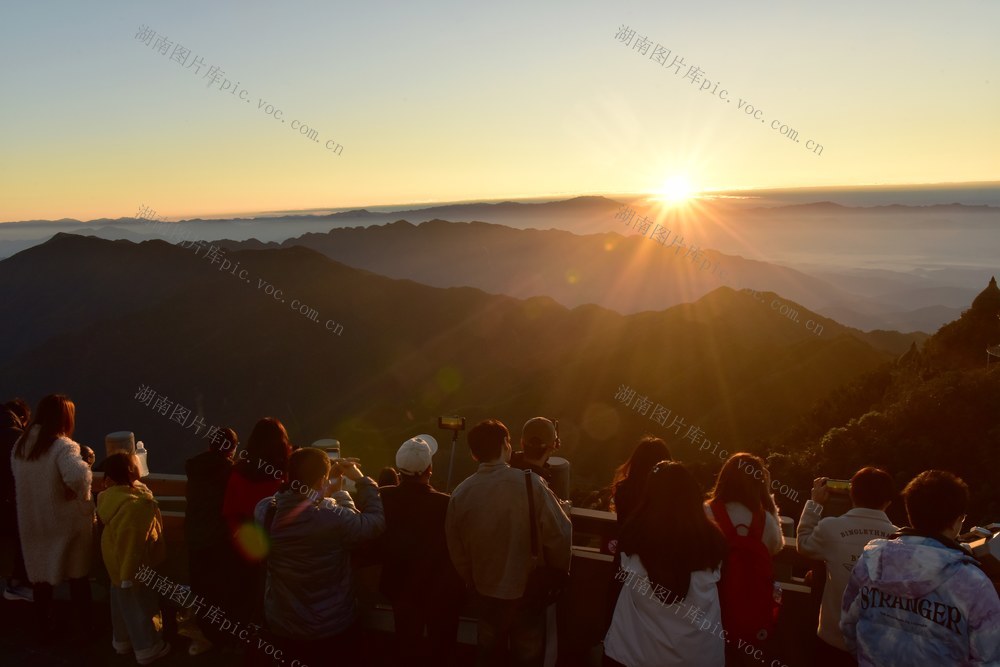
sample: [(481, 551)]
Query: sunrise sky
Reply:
[(445, 101)]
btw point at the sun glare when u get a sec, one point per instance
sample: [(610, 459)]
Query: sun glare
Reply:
[(676, 190)]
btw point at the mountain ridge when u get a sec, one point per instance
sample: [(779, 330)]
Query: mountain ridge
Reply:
[(158, 315)]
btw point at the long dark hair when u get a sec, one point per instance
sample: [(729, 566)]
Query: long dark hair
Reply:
[(647, 453), (56, 417), (268, 442), (737, 483), (671, 533)]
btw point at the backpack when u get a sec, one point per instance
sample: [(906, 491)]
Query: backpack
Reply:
[(746, 589)]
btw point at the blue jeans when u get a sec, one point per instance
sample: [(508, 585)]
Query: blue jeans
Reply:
[(132, 611)]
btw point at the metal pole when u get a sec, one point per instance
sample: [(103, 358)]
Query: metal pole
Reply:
[(451, 464)]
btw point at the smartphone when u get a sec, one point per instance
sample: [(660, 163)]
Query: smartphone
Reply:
[(839, 485), (452, 423)]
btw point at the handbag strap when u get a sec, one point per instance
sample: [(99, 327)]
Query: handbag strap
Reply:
[(754, 530), (272, 509), (531, 514)]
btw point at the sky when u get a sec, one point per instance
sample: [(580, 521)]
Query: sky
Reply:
[(449, 101)]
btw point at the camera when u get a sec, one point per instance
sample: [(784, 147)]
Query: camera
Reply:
[(452, 423), (329, 445)]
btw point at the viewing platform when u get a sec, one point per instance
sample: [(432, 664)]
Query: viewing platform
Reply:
[(580, 614)]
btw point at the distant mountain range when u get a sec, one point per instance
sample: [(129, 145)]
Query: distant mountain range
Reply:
[(626, 274), (100, 319), (882, 267), (577, 269)]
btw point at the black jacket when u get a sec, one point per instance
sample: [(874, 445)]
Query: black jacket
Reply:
[(627, 497), (207, 476), (415, 560), (518, 460), (10, 431)]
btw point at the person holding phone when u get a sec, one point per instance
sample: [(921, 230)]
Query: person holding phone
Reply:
[(839, 541), (310, 606)]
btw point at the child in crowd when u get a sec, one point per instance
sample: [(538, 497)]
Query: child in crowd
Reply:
[(133, 536)]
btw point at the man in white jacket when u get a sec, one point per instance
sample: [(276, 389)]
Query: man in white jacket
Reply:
[(839, 542)]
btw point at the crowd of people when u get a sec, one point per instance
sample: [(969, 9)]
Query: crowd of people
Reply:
[(275, 536), (891, 596)]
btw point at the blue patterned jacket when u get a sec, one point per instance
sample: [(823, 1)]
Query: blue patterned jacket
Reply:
[(914, 600)]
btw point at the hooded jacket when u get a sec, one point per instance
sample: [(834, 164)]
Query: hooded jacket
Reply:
[(914, 600), (133, 530), (310, 590)]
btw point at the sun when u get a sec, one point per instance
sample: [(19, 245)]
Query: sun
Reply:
[(676, 190)]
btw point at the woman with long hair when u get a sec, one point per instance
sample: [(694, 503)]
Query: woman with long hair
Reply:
[(742, 506), (743, 487), (627, 488), (671, 555), (55, 513), (630, 477), (259, 473)]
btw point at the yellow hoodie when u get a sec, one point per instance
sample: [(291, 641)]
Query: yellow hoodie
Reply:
[(133, 530)]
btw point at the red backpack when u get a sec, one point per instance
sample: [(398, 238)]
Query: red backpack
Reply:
[(746, 590)]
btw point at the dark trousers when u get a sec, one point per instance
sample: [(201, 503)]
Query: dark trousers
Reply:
[(825, 655), (410, 617), (509, 633), (12, 536), (82, 602), (343, 650), (210, 576)]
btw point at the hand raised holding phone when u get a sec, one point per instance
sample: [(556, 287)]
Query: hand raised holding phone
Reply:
[(347, 468), (820, 492)]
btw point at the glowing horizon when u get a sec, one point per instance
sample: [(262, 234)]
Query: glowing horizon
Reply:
[(99, 122)]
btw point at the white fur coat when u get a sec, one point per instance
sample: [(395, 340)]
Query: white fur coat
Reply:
[(56, 533)]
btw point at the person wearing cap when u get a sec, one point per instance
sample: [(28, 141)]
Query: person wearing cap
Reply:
[(488, 527), (538, 442), (417, 574)]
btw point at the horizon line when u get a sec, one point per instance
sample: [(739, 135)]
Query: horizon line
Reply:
[(551, 197)]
